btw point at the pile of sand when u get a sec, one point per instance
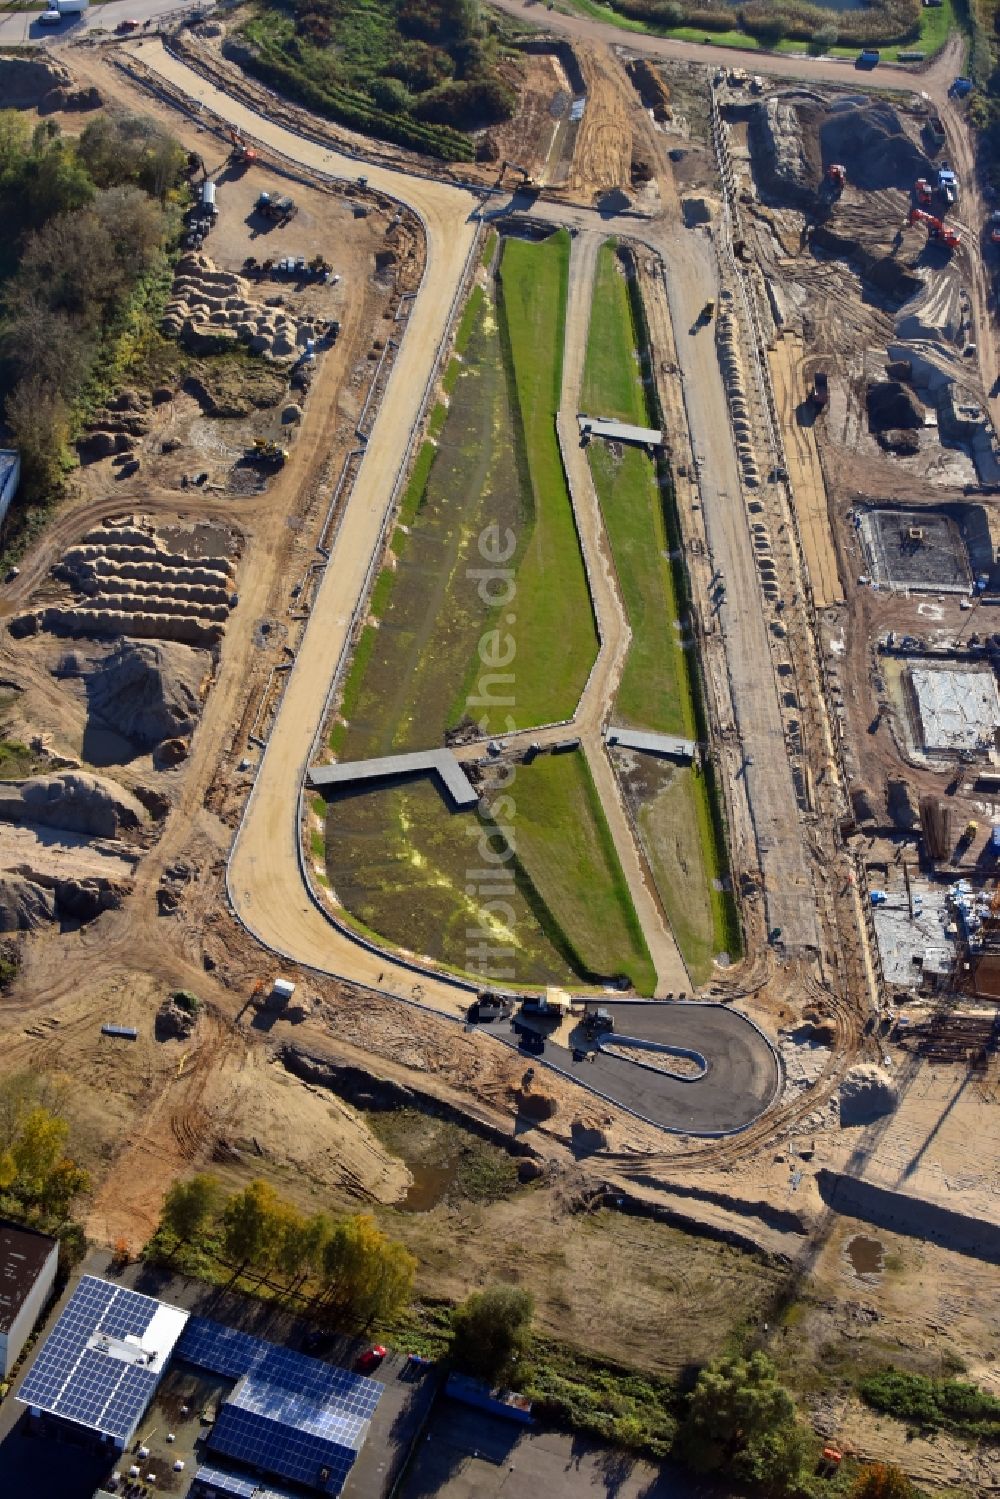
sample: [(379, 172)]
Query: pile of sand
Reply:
[(73, 801), (866, 1094), (149, 691)]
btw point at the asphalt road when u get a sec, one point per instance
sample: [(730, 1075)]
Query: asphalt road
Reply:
[(742, 1079)]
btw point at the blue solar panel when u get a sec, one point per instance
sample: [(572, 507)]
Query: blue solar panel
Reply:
[(290, 1415), (85, 1384), (226, 1483), (125, 1408), (129, 1313), (219, 1349)]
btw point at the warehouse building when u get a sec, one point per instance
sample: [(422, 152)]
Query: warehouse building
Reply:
[(290, 1417), (10, 477), (98, 1369), (28, 1263)]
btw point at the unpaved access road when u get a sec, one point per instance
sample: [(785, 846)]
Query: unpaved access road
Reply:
[(266, 886)]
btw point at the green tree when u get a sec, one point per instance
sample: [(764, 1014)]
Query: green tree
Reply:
[(827, 35), (366, 1275), (252, 1223), (491, 1330), (300, 1253), (65, 1181), (742, 1421), (190, 1207), (882, 1481), (37, 1150)]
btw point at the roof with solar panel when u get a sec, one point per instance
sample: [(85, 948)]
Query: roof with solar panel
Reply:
[(100, 1365), (293, 1416)]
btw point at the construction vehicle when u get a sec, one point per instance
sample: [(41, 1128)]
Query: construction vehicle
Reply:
[(267, 453), (598, 1023), (820, 391), (936, 228), (241, 155), (922, 192), (947, 182), (707, 313), (527, 181), (279, 209), (835, 180)]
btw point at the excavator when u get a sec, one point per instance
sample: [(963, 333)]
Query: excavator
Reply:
[(923, 192), (835, 180), (937, 229), (241, 155), (528, 183)]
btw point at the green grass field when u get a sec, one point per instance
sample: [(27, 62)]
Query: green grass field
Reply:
[(659, 686), (612, 377), (397, 858), (936, 24), (551, 617), (577, 873), (655, 690)]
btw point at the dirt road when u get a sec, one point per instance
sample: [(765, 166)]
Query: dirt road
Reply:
[(933, 80), (266, 886)]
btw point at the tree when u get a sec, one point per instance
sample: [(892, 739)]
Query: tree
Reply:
[(882, 1481), (39, 421), (367, 1276), (190, 1206), (300, 1253), (491, 1330), (826, 35), (37, 1151), (252, 1226), (741, 1420)]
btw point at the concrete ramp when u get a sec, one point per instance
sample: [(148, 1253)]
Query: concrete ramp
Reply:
[(671, 746), (440, 763)]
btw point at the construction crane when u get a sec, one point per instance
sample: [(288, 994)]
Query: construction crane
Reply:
[(241, 155), (936, 228)]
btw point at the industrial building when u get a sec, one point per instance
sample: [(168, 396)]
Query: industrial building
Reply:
[(28, 1263), (10, 477), (99, 1368), (289, 1416)]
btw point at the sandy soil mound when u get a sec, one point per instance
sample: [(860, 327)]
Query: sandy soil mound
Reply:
[(870, 139), (866, 1094), (42, 83), (149, 690), (29, 900), (24, 906), (74, 801)]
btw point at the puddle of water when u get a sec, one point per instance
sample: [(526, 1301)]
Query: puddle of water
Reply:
[(430, 1183), (867, 1256)]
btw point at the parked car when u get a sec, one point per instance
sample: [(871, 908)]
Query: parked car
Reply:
[(50, 18), (126, 26), (369, 1361)]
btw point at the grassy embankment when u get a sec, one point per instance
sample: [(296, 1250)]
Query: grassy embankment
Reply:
[(827, 36), (397, 859), (419, 73), (679, 822)]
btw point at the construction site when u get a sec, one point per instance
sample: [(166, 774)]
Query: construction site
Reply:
[(541, 611)]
